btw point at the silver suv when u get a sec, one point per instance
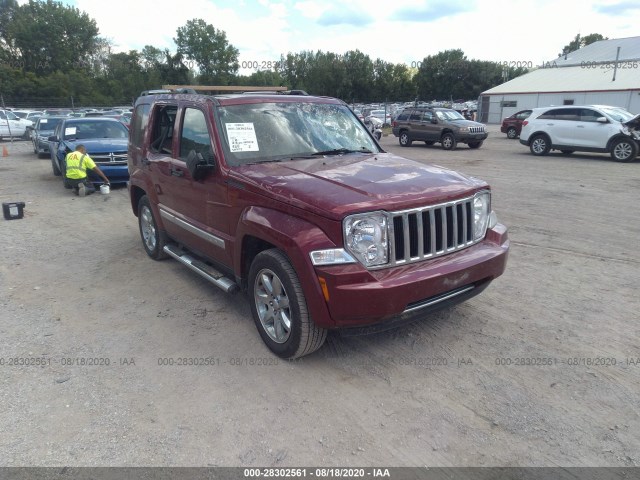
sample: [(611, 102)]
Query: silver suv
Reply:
[(589, 128)]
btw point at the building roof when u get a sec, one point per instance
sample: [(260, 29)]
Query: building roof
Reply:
[(589, 69), (602, 51)]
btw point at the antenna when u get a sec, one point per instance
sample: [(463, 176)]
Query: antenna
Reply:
[(615, 67)]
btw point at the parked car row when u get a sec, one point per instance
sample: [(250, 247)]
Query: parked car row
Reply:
[(105, 139)]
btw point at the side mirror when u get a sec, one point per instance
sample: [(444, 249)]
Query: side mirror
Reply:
[(197, 165), (53, 138), (602, 120), (434, 120)]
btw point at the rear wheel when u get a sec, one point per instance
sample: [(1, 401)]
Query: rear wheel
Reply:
[(279, 308), (624, 150), (405, 139), (540, 145), (153, 239), (512, 132), (448, 141)]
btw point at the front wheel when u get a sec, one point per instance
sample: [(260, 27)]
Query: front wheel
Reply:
[(624, 150), (475, 144), (405, 139), (279, 308), (153, 239), (540, 145), (448, 141)]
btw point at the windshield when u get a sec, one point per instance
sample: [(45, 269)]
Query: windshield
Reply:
[(449, 115), (265, 132), (48, 123), (618, 114), (8, 115), (82, 130)]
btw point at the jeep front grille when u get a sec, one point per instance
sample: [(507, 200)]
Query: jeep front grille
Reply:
[(113, 158), (429, 232), (476, 129)]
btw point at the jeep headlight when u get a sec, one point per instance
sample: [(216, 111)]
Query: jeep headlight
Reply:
[(365, 237), (463, 129), (481, 213)]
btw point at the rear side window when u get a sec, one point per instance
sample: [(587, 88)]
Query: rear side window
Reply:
[(561, 114), (140, 122), (416, 115), (403, 116)]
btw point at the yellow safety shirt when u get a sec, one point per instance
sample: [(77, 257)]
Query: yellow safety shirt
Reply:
[(77, 164)]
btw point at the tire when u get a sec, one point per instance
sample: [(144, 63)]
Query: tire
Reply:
[(476, 144), (512, 133), (405, 139), (539, 145), (153, 239), (54, 167), (65, 182), (567, 152), (429, 142), (624, 150), (448, 141), (279, 308)]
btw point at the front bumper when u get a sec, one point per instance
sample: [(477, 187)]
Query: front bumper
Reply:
[(472, 137), (360, 297), (115, 173)]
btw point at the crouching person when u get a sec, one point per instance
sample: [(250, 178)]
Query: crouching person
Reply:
[(77, 163)]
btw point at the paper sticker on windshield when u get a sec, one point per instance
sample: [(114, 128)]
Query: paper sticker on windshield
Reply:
[(242, 137), (44, 120), (69, 131)]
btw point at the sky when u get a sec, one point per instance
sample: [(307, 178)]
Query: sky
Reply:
[(399, 31)]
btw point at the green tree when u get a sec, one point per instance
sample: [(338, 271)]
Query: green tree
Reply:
[(578, 42), (48, 36), (217, 60)]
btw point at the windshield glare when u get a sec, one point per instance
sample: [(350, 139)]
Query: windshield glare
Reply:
[(277, 131), (84, 130), (449, 115), (618, 114)]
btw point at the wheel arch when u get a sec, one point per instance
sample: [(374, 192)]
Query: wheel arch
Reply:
[(262, 228), (620, 136)]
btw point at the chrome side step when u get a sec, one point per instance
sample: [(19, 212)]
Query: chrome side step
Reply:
[(205, 271)]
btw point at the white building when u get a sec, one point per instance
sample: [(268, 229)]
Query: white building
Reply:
[(589, 76)]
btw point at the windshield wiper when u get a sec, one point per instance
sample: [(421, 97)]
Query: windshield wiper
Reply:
[(341, 151)]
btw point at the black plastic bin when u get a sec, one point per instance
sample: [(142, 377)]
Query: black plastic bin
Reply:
[(13, 210)]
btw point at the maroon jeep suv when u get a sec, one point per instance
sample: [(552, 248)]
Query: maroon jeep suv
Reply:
[(290, 199)]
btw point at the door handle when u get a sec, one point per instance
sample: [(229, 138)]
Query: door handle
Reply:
[(177, 172), (145, 161), (580, 126)]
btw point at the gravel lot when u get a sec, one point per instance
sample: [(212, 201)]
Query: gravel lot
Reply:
[(542, 369)]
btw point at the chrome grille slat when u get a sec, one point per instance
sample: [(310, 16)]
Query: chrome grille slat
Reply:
[(432, 231)]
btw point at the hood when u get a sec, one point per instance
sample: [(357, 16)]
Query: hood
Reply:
[(465, 123), (335, 186), (634, 122), (99, 145)]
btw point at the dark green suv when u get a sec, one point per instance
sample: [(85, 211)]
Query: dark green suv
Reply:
[(433, 125)]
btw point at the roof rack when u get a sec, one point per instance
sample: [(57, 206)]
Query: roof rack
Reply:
[(219, 88)]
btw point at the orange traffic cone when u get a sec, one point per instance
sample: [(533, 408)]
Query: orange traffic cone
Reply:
[(5, 152)]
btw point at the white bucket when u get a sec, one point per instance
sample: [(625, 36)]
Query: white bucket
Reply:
[(104, 189)]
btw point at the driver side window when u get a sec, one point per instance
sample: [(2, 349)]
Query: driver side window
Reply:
[(195, 134)]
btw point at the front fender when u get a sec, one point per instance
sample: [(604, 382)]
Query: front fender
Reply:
[(296, 237)]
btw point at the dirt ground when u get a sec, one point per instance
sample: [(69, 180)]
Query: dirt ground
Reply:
[(542, 369)]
